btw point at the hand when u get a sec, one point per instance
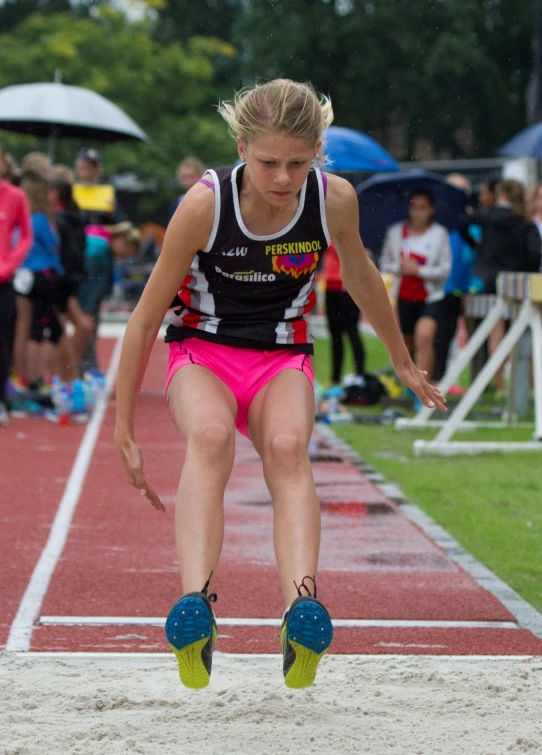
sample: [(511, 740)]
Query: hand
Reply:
[(410, 267), (132, 459), (416, 379)]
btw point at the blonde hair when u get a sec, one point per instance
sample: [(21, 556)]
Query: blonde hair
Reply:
[(61, 172), (36, 189), (514, 192), (36, 162), (281, 105), (533, 194)]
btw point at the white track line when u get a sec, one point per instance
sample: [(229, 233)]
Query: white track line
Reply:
[(21, 629), (533, 661), (153, 621)]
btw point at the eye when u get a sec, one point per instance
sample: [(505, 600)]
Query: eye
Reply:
[(267, 162), (298, 163)]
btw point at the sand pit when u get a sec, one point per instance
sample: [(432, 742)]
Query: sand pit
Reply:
[(382, 706)]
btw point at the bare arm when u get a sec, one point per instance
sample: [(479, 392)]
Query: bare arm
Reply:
[(189, 231), (365, 286)]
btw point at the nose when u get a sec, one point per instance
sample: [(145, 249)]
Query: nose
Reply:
[(281, 177)]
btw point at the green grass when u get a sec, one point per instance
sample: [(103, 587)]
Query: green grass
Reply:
[(491, 504)]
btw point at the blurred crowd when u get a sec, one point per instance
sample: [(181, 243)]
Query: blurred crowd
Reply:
[(429, 270), (66, 247), (60, 238)]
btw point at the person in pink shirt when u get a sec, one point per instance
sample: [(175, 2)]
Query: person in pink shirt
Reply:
[(15, 242)]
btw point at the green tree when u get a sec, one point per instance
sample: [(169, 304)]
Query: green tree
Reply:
[(168, 89), (435, 67)]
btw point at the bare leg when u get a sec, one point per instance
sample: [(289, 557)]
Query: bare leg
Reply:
[(64, 360), (494, 340), (203, 409), (281, 419), (22, 335), (84, 327), (426, 330)]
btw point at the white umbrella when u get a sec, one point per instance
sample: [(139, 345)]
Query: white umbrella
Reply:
[(56, 110)]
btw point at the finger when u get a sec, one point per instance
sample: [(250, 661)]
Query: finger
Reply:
[(153, 498)]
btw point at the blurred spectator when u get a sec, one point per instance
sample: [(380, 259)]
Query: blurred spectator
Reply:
[(12, 170), (536, 210), (488, 193), (342, 317), (96, 201), (35, 284), (38, 163), (15, 242), (457, 285), (104, 244), (510, 243), (417, 252), (189, 172), (71, 231)]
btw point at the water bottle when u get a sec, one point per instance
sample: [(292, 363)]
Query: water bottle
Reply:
[(78, 393), (62, 400), (90, 392)]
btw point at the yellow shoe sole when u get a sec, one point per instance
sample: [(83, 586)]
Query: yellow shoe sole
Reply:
[(303, 671), (192, 671)]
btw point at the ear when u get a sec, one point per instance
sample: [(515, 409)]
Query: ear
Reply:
[(241, 148)]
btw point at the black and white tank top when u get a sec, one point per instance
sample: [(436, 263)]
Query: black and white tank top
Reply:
[(254, 291)]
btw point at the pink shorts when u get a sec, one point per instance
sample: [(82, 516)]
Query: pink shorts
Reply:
[(244, 371)]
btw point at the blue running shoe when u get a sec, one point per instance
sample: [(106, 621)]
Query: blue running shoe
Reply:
[(191, 632), (305, 636)]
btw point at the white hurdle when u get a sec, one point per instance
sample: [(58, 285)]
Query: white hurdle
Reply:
[(511, 288)]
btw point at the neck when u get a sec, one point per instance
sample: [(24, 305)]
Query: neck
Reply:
[(419, 228)]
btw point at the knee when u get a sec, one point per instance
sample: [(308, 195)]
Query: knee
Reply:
[(285, 453), (425, 338), (213, 439)]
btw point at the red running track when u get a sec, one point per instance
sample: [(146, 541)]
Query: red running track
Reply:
[(119, 559)]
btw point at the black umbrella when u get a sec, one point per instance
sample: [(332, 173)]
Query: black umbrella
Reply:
[(383, 200)]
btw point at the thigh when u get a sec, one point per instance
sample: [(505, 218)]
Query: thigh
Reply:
[(197, 398), (426, 329), (285, 405)]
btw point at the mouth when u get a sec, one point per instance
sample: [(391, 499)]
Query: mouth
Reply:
[(280, 193)]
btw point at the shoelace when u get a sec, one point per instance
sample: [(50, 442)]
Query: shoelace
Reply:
[(213, 597), (303, 586)]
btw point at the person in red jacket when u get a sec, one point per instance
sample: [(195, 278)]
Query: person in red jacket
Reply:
[(342, 317), (15, 242)]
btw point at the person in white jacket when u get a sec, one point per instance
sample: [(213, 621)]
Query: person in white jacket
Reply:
[(417, 251)]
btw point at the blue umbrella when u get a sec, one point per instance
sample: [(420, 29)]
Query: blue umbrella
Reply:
[(383, 200), (528, 143), (351, 151)]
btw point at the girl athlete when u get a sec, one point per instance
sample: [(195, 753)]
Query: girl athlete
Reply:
[(241, 251)]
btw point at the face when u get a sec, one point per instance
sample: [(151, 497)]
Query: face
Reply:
[(187, 176), (420, 211), (88, 171), (121, 248), (54, 198), (537, 203), (487, 197), (278, 164)]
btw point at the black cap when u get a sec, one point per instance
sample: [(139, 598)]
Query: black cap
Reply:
[(88, 153)]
